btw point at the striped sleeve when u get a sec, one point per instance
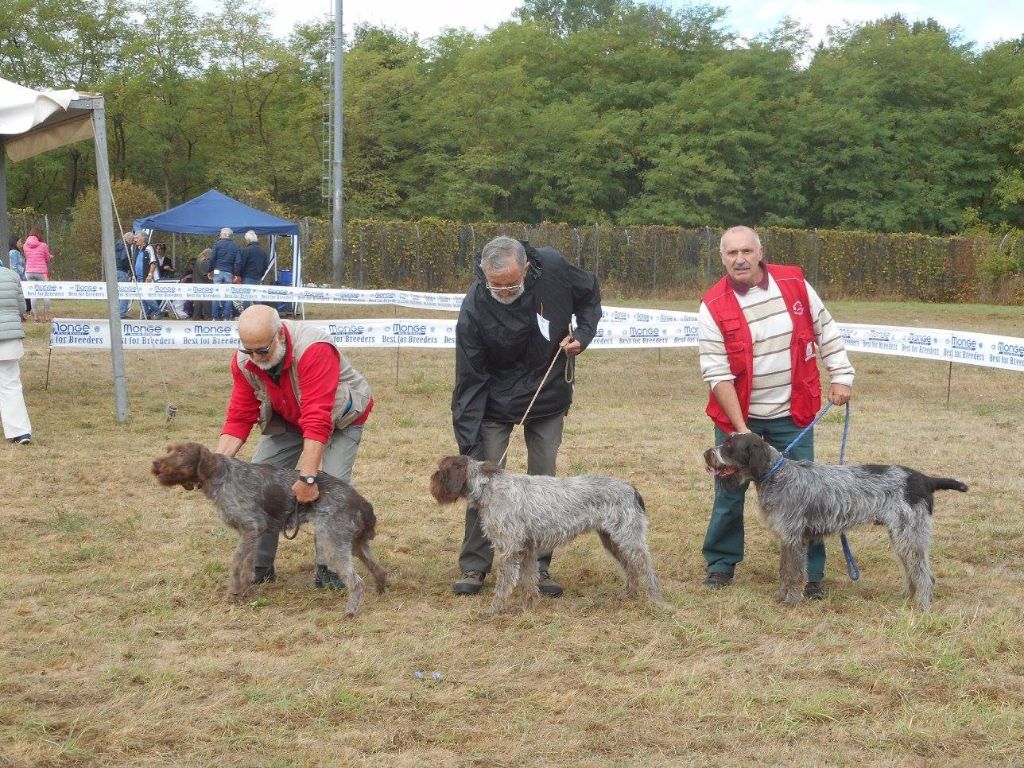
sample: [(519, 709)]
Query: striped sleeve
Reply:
[(830, 342), (714, 363)]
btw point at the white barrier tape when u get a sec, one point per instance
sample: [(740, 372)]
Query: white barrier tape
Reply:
[(982, 349), (178, 334), (173, 291)]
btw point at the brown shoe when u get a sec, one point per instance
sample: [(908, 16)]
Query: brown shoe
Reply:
[(470, 583)]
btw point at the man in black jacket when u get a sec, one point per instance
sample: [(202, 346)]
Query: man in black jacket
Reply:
[(253, 262), (513, 321), (123, 265)]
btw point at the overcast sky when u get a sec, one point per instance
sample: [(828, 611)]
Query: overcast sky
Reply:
[(981, 21)]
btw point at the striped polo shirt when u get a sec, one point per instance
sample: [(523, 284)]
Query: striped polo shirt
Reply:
[(771, 329)]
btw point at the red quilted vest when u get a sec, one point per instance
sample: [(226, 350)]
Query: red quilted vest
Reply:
[(739, 346)]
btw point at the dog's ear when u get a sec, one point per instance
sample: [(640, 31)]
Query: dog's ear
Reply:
[(205, 461), (448, 483), (490, 468), (758, 454)]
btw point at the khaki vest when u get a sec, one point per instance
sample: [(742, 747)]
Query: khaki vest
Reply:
[(351, 384)]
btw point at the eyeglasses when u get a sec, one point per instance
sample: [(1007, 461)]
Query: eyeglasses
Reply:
[(257, 351), (507, 290)]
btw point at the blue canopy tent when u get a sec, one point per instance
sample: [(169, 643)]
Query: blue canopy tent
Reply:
[(210, 212), (213, 210)]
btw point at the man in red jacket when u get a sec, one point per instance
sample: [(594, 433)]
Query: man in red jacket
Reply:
[(760, 331), (310, 404)]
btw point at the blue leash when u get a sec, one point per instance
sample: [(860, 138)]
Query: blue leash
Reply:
[(852, 569)]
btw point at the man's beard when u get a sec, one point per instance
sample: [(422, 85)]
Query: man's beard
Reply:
[(273, 361), (506, 300)]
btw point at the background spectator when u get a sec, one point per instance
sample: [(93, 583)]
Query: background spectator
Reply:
[(37, 268)]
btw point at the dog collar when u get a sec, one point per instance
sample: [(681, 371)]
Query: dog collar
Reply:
[(773, 470)]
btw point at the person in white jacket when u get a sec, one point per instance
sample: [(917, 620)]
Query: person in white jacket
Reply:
[(13, 413)]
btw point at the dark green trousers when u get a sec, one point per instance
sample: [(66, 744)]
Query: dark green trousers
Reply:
[(723, 543)]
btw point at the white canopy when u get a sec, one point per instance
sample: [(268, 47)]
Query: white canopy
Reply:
[(32, 122)]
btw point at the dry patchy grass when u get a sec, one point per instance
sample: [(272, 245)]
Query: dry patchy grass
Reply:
[(119, 646)]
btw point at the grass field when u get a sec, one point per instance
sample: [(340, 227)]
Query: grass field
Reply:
[(119, 647)]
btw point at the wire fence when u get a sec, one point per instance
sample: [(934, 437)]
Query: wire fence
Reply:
[(437, 255)]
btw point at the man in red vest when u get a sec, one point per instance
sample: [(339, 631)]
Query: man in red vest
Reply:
[(761, 330)]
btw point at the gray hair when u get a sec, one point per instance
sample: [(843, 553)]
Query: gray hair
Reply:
[(740, 228), (226, 232), (250, 237), (498, 254)]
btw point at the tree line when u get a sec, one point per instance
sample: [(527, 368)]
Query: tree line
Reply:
[(575, 111)]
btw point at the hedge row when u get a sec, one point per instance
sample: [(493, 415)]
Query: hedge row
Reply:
[(436, 255)]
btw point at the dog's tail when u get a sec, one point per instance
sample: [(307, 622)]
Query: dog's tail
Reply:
[(639, 500), (946, 484), (369, 520)]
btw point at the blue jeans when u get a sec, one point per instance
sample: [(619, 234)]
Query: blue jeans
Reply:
[(249, 281), (223, 309), (723, 543), (123, 277)]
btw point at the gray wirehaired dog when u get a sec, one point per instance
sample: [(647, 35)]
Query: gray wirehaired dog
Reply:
[(524, 515), (802, 500), (257, 498)]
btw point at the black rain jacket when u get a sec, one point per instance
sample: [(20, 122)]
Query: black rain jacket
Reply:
[(501, 355)]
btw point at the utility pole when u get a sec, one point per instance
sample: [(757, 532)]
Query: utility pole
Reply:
[(338, 126)]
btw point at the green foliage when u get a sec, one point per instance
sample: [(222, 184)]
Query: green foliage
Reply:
[(580, 111), (132, 202)]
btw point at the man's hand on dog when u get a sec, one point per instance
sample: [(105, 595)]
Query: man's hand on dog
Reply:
[(305, 493)]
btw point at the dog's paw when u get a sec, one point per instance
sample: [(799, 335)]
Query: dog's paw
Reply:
[(788, 596)]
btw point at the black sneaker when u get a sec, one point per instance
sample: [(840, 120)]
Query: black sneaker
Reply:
[(717, 580), (20, 440), (325, 577), (262, 574), (470, 583), (548, 586), (813, 591)]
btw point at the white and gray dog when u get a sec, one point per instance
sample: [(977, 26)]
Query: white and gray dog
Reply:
[(527, 515), (802, 500)]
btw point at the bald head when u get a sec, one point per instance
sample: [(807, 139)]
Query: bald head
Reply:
[(262, 335), (260, 321)]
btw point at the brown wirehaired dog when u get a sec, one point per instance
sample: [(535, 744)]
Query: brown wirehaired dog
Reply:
[(524, 515), (257, 498)]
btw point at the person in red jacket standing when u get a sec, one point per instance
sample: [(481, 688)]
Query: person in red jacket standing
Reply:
[(761, 329), (310, 404)]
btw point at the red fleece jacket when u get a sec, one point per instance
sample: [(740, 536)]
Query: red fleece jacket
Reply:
[(318, 371)]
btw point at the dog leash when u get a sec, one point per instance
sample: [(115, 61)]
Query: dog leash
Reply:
[(293, 514), (535, 394), (852, 569)]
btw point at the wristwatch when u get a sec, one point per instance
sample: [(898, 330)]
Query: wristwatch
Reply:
[(308, 479)]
